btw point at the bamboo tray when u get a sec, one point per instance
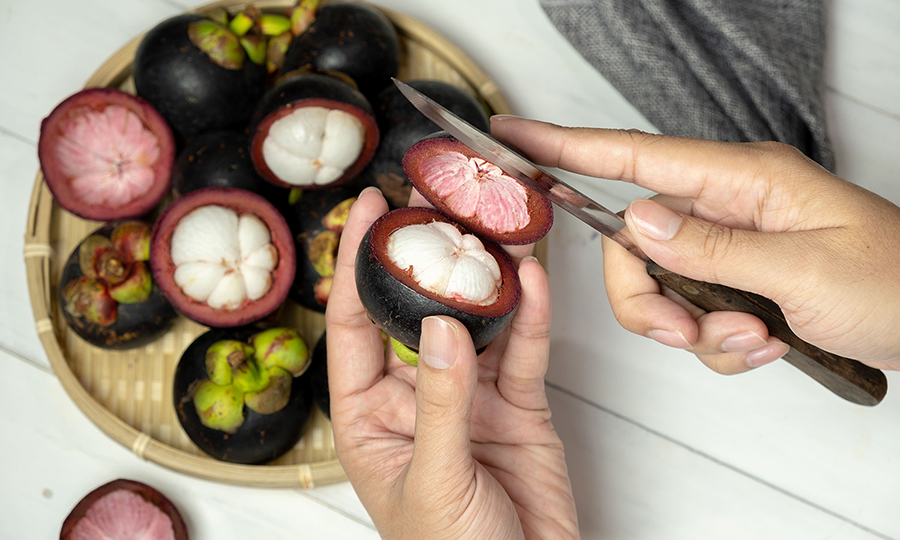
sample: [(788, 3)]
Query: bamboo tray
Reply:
[(128, 393)]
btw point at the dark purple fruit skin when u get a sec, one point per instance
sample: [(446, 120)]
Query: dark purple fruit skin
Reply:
[(221, 158), (402, 125), (192, 93), (398, 309), (148, 493), (262, 437), (299, 85), (350, 38), (318, 373), (305, 220), (136, 324)]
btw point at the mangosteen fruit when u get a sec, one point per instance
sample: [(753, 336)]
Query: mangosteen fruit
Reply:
[(317, 220), (224, 257), (124, 510), (416, 262), (239, 393), (318, 376), (220, 158), (351, 38), (402, 125), (197, 73), (475, 192), (107, 292), (311, 131), (106, 154)]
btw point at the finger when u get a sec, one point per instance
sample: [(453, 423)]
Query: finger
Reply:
[(525, 360), (732, 342), (672, 165), (355, 350), (445, 390)]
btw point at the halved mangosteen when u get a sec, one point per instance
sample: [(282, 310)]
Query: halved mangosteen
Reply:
[(240, 394), (402, 125), (311, 131), (351, 38), (317, 220), (107, 293), (197, 73), (123, 510), (106, 154), (224, 257), (475, 192), (415, 262)]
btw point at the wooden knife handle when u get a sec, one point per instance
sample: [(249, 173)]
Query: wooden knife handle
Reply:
[(847, 378)]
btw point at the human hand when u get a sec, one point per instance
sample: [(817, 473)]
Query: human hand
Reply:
[(758, 217), (462, 446)]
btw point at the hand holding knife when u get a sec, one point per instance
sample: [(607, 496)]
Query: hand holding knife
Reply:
[(847, 378)]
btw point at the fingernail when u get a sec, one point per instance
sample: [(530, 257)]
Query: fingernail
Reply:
[(502, 117), (437, 346), (529, 258), (745, 341), (672, 339), (368, 190), (768, 354), (655, 220)]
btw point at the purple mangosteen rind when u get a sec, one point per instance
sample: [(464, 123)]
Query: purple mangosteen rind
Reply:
[(58, 181), (136, 324), (241, 201), (303, 89), (262, 437), (191, 91), (397, 304), (147, 493), (539, 208), (318, 376)]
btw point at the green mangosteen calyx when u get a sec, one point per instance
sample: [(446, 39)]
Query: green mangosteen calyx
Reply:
[(407, 354), (257, 374), (218, 42), (303, 13), (113, 271)]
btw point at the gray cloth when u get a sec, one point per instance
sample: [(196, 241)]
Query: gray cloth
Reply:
[(730, 70)]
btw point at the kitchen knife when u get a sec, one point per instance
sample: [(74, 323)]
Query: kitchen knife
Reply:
[(847, 378)]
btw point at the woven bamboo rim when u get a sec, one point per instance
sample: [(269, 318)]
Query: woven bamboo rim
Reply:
[(51, 234)]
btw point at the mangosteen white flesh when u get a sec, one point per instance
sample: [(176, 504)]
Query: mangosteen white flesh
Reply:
[(222, 257), (313, 145), (446, 262)]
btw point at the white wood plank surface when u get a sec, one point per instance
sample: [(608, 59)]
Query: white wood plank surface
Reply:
[(658, 446)]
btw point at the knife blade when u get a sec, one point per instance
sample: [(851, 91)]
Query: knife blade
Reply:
[(844, 377)]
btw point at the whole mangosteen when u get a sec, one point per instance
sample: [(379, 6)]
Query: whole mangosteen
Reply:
[(317, 220), (224, 257), (415, 262), (239, 393), (197, 73), (402, 125), (123, 510), (106, 155), (351, 38), (475, 192), (312, 131), (318, 376), (107, 293)]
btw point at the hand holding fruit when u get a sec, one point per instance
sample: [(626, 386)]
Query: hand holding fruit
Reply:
[(462, 446), (757, 217)]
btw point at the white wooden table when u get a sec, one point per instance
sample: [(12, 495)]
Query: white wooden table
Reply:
[(658, 446)]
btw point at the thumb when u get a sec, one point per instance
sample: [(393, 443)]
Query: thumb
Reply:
[(445, 390), (746, 260)]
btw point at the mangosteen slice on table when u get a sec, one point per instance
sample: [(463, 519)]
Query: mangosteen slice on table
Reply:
[(124, 510), (106, 154), (224, 257), (415, 262), (107, 293), (311, 131), (317, 220), (351, 38), (199, 76), (402, 125), (475, 192), (240, 394)]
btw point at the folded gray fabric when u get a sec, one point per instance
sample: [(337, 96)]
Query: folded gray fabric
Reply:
[(730, 70)]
